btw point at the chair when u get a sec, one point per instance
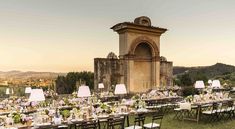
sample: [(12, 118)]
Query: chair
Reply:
[(229, 111), (116, 123), (212, 112), (102, 123), (151, 104), (161, 110), (180, 112), (220, 112), (62, 127), (186, 109), (153, 125), (138, 120), (92, 124)]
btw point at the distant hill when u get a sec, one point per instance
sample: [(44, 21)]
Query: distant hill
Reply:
[(29, 74), (225, 73), (209, 71)]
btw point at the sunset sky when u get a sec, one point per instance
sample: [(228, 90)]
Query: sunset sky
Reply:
[(66, 35)]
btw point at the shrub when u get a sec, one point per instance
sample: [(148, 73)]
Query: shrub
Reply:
[(189, 90)]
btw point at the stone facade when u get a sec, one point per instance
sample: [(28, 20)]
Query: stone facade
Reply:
[(166, 72), (139, 65), (109, 71)]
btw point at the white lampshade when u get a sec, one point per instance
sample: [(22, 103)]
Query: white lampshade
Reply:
[(28, 90), (84, 91), (209, 82), (120, 89), (225, 84), (199, 85), (36, 95), (100, 85), (215, 84), (7, 91)]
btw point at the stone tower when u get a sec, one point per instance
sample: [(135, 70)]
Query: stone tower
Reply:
[(139, 56)]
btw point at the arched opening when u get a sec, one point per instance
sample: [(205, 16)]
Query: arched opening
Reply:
[(142, 77), (144, 53), (143, 50), (144, 47)]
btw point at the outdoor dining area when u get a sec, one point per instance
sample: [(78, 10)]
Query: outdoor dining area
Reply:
[(113, 110), (210, 105)]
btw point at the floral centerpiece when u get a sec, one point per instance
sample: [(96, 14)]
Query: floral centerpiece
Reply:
[(104, 108), (50, 94), (16, 117), (74, 113), (135, 97), (139, 104), (65, 114), (171, 93), (26, 119), (61, 103), (189, 98)]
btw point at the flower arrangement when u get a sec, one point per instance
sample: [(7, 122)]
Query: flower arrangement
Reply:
[(142, 104), (171, 93), (15, 116), (135, 97), (189, 98), (104, 108), (65, 113), (74, 94), (61, 103), (50, 94), (139, 104), (26, 119), (110, 94)]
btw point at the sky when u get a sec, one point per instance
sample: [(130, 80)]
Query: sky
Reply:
[(66, 35)]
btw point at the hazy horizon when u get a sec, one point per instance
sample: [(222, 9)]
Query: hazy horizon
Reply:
[(93, 71), (65, 36)]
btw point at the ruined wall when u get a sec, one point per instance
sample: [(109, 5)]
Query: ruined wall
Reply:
[(112, 71), (166, 73), (108, 71)]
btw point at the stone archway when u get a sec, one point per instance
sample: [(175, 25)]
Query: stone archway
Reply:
[(146, 40), (143, 51), (142, 66), (139, 44)]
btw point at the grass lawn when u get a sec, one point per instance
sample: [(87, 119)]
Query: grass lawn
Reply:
[(170, 123)]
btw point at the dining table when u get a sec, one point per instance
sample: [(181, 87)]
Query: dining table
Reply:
[(199, 106)]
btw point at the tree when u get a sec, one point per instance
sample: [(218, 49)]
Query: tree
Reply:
[(200, 76), (62, 86), (67, 84), (185, 80)]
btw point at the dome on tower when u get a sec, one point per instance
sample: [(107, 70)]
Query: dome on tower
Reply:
[(112, 55), (162, 58), (143, 20)]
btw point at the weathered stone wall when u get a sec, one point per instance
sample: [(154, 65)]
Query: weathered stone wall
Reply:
[(166, 73), (108, 71), (112, 71), (142, 76)]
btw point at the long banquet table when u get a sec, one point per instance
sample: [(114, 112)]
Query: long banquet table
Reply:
[(198, 106), (74, 122)]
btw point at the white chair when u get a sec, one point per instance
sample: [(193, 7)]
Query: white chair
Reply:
[(212, 112), (153, 125), (185, 106), (181, 110), (138, 120)]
